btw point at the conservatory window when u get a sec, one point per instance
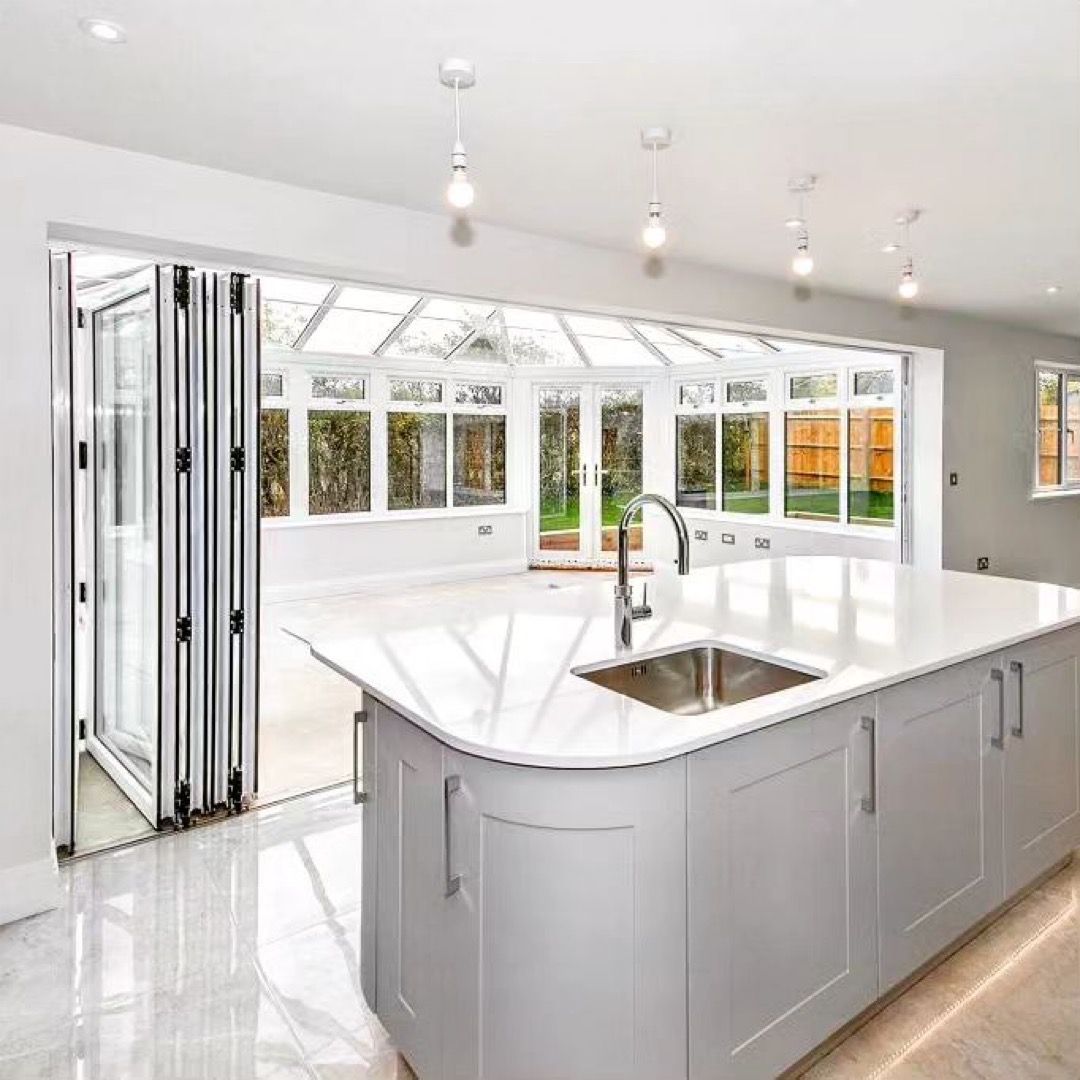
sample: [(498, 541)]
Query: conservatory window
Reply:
[(338, 444), (695, 460), (814, 388), (744, 455), (697, 395), (1057, 425), (812, 464), (746, 391)]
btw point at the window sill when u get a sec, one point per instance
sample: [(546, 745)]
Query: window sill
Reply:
[(1054, 493), (318, 521), (887, 533)]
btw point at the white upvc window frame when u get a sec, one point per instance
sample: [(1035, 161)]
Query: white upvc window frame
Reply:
[(768, 407), (1065, 373), (466, 408), (311, 404)]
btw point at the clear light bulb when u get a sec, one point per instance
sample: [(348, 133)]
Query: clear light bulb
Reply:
[(460, 193), (654, 235), (794, 222), (803, 262), (909, 287)]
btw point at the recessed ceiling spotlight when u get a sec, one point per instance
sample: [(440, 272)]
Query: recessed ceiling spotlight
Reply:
[(458, 75), (103, 30), (1053, 290), (802, 262), (653, 234)]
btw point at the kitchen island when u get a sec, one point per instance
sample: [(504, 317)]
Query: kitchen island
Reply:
[(561, 880)]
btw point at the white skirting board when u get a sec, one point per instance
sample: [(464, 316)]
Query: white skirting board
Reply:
[(309, 590), (29, 888)]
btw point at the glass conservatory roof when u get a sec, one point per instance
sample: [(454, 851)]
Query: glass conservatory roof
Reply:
[(326, 317)]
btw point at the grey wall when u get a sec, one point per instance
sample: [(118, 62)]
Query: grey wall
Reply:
[(61, 187)]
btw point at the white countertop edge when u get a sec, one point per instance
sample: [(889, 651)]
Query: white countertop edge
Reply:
[(650, 757)]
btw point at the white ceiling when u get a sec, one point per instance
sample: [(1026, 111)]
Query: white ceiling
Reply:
[(967, 108)]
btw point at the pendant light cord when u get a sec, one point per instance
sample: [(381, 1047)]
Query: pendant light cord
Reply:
[(457, 110)]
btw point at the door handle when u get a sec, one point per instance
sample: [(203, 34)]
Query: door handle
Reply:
[(358, 793), (869, 802), (451, 786), (998, 741), (595, 474), (1017, 668), (584, 475)]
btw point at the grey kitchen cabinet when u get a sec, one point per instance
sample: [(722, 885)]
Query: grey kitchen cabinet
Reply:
[(1042, 758), (566, 936), (782, 890), (940, 752), (409, 909)]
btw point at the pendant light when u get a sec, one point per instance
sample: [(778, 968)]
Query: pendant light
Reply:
[(909, 283), (458, 75), (802, 263), (654, 235)]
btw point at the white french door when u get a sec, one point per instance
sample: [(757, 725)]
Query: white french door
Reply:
[(588, 464), (156, 503)]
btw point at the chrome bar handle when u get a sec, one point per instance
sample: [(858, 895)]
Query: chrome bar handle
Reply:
[(451, 786), (1017, 668), (359, 795), (584, 475), (869, 802), (998, 741)]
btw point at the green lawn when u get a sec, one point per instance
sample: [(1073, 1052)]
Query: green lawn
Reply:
[(554, 518)]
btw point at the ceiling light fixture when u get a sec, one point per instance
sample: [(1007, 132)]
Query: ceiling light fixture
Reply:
[(909, 284), (654, 235), (458, 75), (103, 30), (802, 263)]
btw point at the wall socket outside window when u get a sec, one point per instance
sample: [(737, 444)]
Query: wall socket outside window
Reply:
[(727, 538), (484, 530), (982, 562), (762, 543), (701, 534)]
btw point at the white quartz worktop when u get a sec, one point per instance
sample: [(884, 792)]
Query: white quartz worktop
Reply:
[(492, 674)]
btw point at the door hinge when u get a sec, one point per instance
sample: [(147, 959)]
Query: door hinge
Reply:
[(182, 804), (236, 293), (84, 454), (82, 728), (236, 621), (183, 459), (183, 629), (236, 789), (182, 286), (80, 318), (238, 458)]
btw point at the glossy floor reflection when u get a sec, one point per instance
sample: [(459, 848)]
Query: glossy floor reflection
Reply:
[(225, 953)]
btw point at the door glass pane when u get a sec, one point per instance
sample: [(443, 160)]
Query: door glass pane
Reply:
[(126, 550), (745, 455), (339, 461), (1072, 429), (621, 477), (274, 461), (479, 460), (1049, 428), (416, 460), (695, 468), (812, 465), (870, 467), (560, 462)]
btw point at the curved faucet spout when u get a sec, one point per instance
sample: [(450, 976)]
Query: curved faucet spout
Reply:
[(625, 612), (681, 533)]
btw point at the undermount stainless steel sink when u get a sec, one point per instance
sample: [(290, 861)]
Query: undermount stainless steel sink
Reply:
[(696, 678)]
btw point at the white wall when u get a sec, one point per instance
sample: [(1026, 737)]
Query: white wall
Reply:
[(328, 558), (50, 186)]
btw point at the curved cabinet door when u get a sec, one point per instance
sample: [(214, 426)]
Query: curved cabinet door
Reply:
[(566, 938), (782, 891), (939, 812), (1042, 763)]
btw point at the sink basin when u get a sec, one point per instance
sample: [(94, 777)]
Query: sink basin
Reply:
[(696, 679)]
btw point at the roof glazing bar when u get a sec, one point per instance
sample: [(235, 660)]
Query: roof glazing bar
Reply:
[(687, 340), (320, 313), (400, 328), (583, 356), (640, 337)]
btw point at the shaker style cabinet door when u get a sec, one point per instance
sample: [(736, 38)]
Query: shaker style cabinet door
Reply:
[(782, 891), (565, 923), (409, 810), (1042, 760), (939, 813)]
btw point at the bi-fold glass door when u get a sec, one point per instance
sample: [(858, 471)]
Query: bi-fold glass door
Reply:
[(589, 465), (155, 499)]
